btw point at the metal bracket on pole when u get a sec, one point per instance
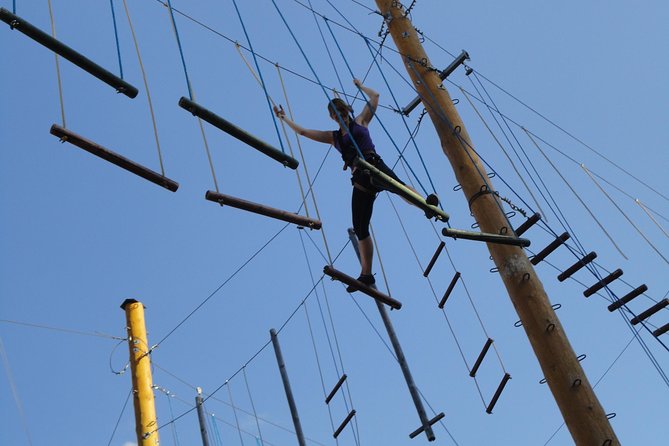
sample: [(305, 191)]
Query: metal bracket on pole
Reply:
[(486, 237), (443, 75)]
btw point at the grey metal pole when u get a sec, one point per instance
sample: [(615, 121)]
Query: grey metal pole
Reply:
[(401, 359), (286, 386), (200, 416)]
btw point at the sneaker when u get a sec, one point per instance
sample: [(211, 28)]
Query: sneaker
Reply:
[(367, 279), (432, 200)]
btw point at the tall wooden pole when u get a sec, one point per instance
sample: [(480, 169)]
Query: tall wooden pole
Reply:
[(582, 412), (146, 423)]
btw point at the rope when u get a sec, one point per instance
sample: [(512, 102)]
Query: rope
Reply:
[(146, 85), (217, 433), (232, 403), (175, 436), (118, 47), (64, 330), (624, 214), (60, 82), (118, 420), (641, 205), (262, 82), (15, 392), (587, 208), (255, 414)]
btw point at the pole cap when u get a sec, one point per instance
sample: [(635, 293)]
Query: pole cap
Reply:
[(128, 302)]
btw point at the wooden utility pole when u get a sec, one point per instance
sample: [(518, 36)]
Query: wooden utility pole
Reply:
[(146, 423), (582, 412)]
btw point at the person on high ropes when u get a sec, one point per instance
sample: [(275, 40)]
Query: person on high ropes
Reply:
[(365, 188)]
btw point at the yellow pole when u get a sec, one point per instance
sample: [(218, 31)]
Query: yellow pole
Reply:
[(146, 423)]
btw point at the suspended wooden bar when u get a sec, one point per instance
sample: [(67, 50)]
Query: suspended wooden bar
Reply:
[(449, 290), (485, 237), (344, 423), (66, 135), (479, 360), (434, 258), (577, 266), (649, 312), (261, 209), (627, 298), (238, 133), (555, 244), (498, 392), (602, 283), (334, 390), (403, 191), (39, 36), (429, 423), (527, 224), (371, 292), (660, 331)]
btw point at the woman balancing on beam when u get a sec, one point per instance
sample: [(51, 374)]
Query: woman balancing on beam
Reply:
[(365, 188)]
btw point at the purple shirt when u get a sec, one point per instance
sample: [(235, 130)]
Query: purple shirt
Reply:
[(360, 135)]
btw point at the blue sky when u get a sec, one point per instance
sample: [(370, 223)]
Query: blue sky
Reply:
[(79, 235)]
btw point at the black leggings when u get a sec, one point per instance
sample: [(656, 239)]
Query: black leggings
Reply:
[(362, 200)]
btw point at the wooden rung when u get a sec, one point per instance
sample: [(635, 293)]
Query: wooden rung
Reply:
[(498, 392), (39, 36), (335, 389), (660, 331), (114, 158), (485, 237), (344, 423), (238, 133), (449, 290), (627, 298), (602, 283), (577, 266), (527, 224), (434, 258), (479, 360), (429, 423), (261, 209), (649, 312), (403, 191), (371, 292), (550, 248)]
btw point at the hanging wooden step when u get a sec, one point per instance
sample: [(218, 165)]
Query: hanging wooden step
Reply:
[(449, 290), (334, 390), (261, 209), (431, 422), (401, 190), (527, 224), (434, 258), (577, 266), (479, 360), (485, 237), (660, 331), (66, 135), (498, 392), (649, 312), (371, 292), (555, 244), (238, 133), (44, 39), (344, 423), (627, 298), (602, 283)]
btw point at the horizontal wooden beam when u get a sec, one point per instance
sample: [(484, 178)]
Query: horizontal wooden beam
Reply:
[(261, 209), (39, 36), (242, 135), (486, 237), (371, 292), (66, 135)]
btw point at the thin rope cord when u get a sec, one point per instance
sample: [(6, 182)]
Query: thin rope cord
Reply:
[(262, 81), (181, 52), (146, 86), (118, 420), (58, 77), (585, 169), (64, 330), (15, 392), (501, 146), (327, 49), (217, 432), (118, 46), (235, 412), (378, 256), (641, 205), (587, 208), (253, 406)]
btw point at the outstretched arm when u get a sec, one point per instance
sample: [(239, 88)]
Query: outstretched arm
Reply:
[(316, 135), (370, 108)]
